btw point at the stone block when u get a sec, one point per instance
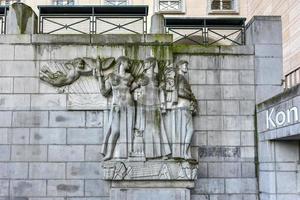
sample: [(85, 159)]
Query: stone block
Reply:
[(237, 62), (197, 76), (65, 188), (286, 182), (46, 170), (14, 102), (206, 62), (5, 153), (29, 153), (224, 138), (241, 185), (30, 119), (268, 50), (287, 197), (66, 153), (26, 85), (261, 29), (67, 119), (222, 107), (6, 85), (14, 170), (248, 170), (266, 151), (49, 102), (202, 170), (264, 92), (213, 76), (7, 52), (242, 92), (95, 188), (224, 170), (238, 123), (18, 68), (247, 107), (207, 92), (84, 170), (229, 77), (247, 138), (15, 39), (286, 151), (270, 66), (67, 52), (209, 186), (61, 39), (25, 52), (32, 188), (21, 19), (150, 193), (213, 123), (93, 153), (248, 153), (48, 136), (94, 119), (237, 49), (246, 77), (4, 188), (4, 137), (199, 138), (267, 182), (84, 136), (19, 135), (5, 118), (199, 197), (219, 153)]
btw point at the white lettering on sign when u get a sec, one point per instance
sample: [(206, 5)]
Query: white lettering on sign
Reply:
[(281, 118)]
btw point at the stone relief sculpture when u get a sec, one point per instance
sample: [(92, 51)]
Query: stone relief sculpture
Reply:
[(118, 137), (149, 124), (149, 120)]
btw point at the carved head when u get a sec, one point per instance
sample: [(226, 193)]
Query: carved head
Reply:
[(150, 64), (182, 66), (122, 64), (79, 63)]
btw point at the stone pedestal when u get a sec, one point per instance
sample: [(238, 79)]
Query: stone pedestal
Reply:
[(21, 19), (150, 194), (157, 24)]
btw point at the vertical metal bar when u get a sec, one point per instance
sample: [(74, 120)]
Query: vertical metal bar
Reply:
[(205, 30), (5, 17)]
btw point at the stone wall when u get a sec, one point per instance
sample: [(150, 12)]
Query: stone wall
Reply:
[(48, 152)]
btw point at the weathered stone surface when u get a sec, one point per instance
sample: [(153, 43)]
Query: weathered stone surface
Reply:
[(48, 102), (164, 194), (29, 153), (84, 170), (33, 188), (21, 19), (65, 188), (66, 152), (47, 170), (5, 153), (97, 188), (14, 102), (84, 136), (48, 136), (14, 170), (67, 119), (30, 119)]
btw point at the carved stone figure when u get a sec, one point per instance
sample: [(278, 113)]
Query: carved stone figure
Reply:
[(148, 124), (73, 70), (118, 136), (149, 120), (184, 106)]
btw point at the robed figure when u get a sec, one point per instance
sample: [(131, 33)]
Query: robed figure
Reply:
[(149, 108)]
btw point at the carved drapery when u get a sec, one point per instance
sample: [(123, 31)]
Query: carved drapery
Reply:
[(150, 108)]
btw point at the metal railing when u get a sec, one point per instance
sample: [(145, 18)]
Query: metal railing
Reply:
[(93, 19), (207, 31), (3, 12), (292, 78)]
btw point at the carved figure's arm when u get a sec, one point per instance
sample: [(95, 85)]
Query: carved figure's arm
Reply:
[(105, 86)]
